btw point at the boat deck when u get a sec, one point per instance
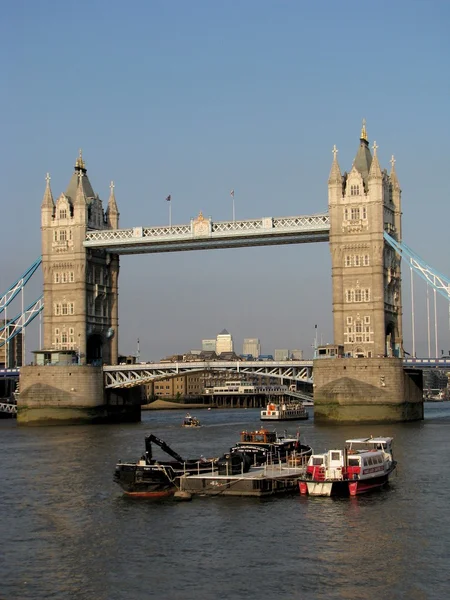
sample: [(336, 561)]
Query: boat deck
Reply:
[(259, 481)]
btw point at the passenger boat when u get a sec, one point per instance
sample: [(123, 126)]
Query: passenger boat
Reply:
[(264, 446), (284, 411), (363, 465), (190, 421), (157, 478)]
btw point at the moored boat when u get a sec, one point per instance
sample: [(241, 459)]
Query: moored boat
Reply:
[(190, 421), (284, 411), (363, 465), (153, 478), (264, 446)]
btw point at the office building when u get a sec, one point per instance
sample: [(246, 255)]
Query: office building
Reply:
[(282, 354), (297, 354), (251, 346), (224, 342), (209, 345)]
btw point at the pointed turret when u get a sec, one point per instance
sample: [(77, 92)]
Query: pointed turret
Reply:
[(80, 198), (363, 158), (47, 200), (79, 168), (335, 172), (393, 175), (112, 212), (375, 169)]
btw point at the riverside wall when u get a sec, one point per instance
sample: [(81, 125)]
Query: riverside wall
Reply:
[(366, 390), (72, 394)]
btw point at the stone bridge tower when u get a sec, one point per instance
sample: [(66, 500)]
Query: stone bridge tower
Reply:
[(80, 284), (366, 281)]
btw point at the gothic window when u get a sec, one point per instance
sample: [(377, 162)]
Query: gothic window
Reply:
[(71, 331), (348, 295), (349, 329), (357, 260), (64, 277), (350, 339), (354, 190), (57, 309), (71, 277), (358, 339), (71, 308), (367, 329), (355, 214), (70, 234), (348, 261), (366, 260), (364, 212), (358, 296), (349, 320), (63, 213), (64, 338), (367, 338), (358, 327), (62, 235), (367, 295), (56, 277), (64, 310), (55, 236), (346, 214), (366, 320), (71, 340)]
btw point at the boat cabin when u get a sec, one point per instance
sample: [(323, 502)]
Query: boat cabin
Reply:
[(263, 436), (346, 464)]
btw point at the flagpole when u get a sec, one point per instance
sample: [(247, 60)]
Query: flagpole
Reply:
[(170, 212), (232, 196)]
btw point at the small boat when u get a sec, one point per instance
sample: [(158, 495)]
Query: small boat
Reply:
[(190, 421), (284, 411), (153, 478), (264, 446), (363, 465)]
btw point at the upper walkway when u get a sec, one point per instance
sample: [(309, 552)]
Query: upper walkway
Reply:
[(204, 233)]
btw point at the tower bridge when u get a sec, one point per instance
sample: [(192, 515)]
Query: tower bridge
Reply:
[(81, 246)]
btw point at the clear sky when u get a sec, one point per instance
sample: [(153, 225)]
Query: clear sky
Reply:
[(194, 98)]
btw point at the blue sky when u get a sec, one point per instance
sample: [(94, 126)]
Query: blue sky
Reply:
[(195, 98)]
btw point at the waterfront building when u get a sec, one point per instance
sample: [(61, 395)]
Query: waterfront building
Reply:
[(224, 342), (251, 346), (209, 345), (282, 354), (11, 353), (297, 354)]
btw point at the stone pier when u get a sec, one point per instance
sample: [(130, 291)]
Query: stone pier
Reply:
[(73, 394), (366, 390)]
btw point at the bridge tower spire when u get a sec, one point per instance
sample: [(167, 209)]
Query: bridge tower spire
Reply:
[(80, 285), (365, 270)]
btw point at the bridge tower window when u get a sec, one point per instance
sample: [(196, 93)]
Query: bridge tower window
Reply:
[(354, 190)]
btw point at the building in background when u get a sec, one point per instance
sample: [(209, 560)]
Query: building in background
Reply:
[(251, 346), (224, 342), (209, 345), (11, 353), (297, 354), (282, 354)]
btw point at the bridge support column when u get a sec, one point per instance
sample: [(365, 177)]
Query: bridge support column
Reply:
[(371, 390), (72, 394)]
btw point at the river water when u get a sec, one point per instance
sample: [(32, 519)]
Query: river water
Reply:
[(66, 530)]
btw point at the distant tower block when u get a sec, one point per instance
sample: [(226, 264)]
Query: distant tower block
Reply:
[(80, 285), (367, 304)]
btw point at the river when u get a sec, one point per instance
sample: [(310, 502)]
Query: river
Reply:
[(66, 530)]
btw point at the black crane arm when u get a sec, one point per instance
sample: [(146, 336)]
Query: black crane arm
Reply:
[(167, 449)]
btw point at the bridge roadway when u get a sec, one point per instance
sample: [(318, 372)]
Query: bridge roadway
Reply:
[(203, 233)]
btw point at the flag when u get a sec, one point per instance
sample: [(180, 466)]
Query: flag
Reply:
[(169, 198), (232, 193)]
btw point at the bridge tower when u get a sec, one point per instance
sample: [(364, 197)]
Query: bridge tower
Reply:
[(366, 382), (366, 280), (80, 285)]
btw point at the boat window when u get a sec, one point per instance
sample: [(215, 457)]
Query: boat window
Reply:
[(335, 456), (317, 461), (353, 462)]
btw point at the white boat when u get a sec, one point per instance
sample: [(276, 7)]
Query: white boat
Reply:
[(284, 411), (363, 465), (190, 421)]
